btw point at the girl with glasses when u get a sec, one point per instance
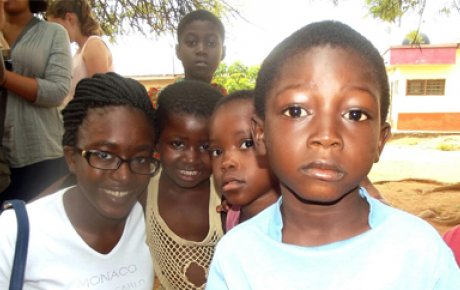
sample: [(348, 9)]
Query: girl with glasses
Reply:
[(93, 233)]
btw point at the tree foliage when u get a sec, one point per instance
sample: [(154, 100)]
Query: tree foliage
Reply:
[(393, 10), (120, 17), (415, 37), (236, 76)]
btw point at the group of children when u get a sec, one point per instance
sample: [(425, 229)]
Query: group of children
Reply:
[(309, 133), (293, 152)]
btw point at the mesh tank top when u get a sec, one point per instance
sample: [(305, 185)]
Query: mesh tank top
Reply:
[(171, 254)]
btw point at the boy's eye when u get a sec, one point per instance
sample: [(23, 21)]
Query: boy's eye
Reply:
[(211, 41), (191, 43), (212, 44), (356, 115), (295, 112), (204, 147), (177, 145), (215, 152), (246, 144)]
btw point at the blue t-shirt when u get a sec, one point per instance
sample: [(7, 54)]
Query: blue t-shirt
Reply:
[(400, 251)]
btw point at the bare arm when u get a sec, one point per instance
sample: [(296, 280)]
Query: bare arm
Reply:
[(22, 86), (49, 87), (97, 57)]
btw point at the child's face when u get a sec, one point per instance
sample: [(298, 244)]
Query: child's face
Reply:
[(240, 175), (200, 49), (322, 130), (183, 151), (122, 131)]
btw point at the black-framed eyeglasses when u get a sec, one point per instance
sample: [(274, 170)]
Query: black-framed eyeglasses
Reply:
[(110, 161)]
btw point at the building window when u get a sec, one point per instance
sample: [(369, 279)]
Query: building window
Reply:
[(425, 87)]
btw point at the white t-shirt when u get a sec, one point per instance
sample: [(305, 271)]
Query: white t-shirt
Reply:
[(59, 258)]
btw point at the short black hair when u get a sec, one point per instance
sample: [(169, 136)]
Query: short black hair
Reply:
[(36, 6), (186, 97), (100, 91), (333, 33), (202, 15), (236, 95)]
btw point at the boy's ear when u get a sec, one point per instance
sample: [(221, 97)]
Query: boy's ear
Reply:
[(177, 51), (69, 155), (224, 52), (385, 134), (257, 132)]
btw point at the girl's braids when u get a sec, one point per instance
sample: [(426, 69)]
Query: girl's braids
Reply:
[(103, 90)]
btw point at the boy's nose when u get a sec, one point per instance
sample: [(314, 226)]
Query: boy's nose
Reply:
[(324, 133), (201, 48)]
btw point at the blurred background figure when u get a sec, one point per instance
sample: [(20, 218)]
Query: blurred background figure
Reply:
[(37, 84), (93, 54)]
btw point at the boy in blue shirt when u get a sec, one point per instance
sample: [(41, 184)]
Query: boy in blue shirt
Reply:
[(321, 102)]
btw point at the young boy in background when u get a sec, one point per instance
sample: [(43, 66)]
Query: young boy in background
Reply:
[(200, 48)]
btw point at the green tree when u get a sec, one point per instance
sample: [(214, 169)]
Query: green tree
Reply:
[(394, 10), (415, 37), (236, 76), (120, 17)]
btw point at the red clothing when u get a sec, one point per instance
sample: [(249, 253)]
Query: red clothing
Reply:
[(452, 238), (233, 218)]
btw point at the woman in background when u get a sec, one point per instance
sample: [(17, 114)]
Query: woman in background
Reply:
[(37, 85), (93, 55)]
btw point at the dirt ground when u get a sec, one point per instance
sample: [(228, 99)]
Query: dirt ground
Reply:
[(412, 185)]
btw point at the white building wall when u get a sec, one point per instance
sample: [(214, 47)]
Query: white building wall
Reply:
[(400, 103)]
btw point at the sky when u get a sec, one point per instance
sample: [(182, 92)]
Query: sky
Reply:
[(265, 23)]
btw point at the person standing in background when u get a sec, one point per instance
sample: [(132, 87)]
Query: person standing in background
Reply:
[(5, 51), (37, 86), (200, 48), (93, 55)]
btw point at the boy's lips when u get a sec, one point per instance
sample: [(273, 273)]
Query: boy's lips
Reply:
[(201, 63), (231, 183), (324, 171)]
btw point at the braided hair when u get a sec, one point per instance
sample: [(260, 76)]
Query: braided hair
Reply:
[(99, 91)]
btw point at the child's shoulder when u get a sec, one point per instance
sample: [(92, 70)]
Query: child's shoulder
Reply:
[(393, 225)]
